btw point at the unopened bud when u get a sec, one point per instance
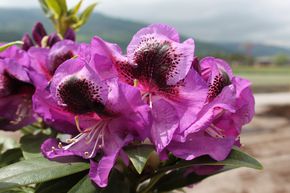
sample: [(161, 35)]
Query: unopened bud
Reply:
[(38, 32)]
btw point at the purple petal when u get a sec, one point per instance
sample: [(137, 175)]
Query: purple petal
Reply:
[(38, 69), (99, 172), (190, 100), (165, 123), (200, 143), (16, 112), (103, 54), (224, 102)]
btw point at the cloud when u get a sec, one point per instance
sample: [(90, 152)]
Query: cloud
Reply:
[(263, 21)]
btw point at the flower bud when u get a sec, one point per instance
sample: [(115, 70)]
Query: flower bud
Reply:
[(27, 42), (52, 39), (70, 34), (38, 32)]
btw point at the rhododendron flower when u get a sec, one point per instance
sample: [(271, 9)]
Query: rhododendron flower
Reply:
[(15, 90), (160, 66), (229, 105), (45, 61), (109, 115)]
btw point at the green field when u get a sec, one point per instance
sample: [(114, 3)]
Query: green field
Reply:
[(266, 79)]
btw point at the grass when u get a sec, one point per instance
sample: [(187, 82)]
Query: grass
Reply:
[(266, 79)]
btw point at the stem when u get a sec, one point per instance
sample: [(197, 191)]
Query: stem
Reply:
[(152, 182)]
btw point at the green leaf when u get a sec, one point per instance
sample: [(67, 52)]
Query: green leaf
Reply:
[(85, 185), (138, 155), (176, 177), (62, 4), (54, 7), (117, 183), (236, 159), (76, 8), (30, 145), (10, 156), (60, 185), (85, 16), (7, 45), (37, 170)]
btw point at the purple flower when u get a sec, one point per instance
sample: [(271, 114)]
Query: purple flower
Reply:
[(15, 90), (44, 63), (109, 115), (160, 66), (229, 105)]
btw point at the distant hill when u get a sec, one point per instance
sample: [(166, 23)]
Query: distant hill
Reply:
[(15, 22), (254, 49)]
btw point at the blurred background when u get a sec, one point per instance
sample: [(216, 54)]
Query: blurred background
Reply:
[(253, 36)]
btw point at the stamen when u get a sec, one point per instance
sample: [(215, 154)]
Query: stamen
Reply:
[(59, 145), (215, 131), (150, 101), (21, 112), (53, 148), (100, 137), (135, 82), (78, 124)]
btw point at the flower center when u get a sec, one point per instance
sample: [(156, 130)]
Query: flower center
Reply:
[(59, 58), (80, 96), (220, 81), (155, 63), (10, 85)]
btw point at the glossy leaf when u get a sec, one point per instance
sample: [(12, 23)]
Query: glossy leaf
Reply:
[(177, 176), (60, 185), (85, 185), (7, 45), (54, 7), (117, 183), (236, 159), (10, 156), (85, 16), (62, 4), (139, 156), (76, 8), (37, 170), (30, 145), (177, 179)]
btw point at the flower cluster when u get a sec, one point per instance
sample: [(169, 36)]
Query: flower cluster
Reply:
[(158, 91)]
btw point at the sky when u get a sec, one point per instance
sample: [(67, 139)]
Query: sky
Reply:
[(257, 21)]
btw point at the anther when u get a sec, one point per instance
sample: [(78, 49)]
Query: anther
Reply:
[(78, 123), (60, 145), (135, 82), (86, 154)]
